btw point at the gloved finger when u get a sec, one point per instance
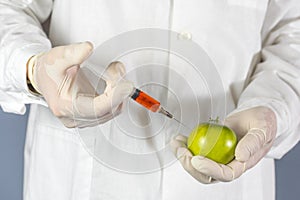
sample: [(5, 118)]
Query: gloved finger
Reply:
[(80, 122), (69, 55), (185, 156), (115, 70), (177, 142), (233, 122), (76, 123), (252, 142), (62, 106), (181, 138), (83, 106), (113, 74), (65, 85), (97, 121), (89, 106), (254, 159), (115, 112), (70, 122), (109, 100), (82, 83), (216, 170)]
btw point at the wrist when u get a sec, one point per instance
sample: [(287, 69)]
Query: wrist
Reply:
[(32, 87)]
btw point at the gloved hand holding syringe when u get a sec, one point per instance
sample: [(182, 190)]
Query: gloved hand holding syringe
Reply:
[(138, 95)]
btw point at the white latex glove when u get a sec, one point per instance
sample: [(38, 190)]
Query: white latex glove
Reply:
[(57, 76), (255, 129)]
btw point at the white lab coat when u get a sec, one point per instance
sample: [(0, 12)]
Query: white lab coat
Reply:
[(235, 34)]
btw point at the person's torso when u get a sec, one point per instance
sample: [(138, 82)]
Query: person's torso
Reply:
[(224, 39)]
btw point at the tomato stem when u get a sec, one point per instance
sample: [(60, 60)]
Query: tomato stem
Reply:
[(214, 120)]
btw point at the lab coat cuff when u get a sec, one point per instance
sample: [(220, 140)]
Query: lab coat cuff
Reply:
[(17, 65)]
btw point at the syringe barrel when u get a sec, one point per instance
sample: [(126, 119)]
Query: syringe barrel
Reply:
[(145, 100)]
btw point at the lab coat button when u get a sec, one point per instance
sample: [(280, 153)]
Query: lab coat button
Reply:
[(185, 35)]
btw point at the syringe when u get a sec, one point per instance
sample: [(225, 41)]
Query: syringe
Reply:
[(149, 102), (152, 104)]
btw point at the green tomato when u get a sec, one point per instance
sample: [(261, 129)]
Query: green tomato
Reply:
[(213, 141)]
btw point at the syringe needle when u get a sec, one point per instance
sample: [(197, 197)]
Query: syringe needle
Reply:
[(165, 112), (168, 114), (182, 124)]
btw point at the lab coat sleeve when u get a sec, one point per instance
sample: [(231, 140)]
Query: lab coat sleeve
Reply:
[(275, 82), (21, 36)]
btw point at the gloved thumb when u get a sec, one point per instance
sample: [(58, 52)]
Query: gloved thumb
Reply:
[(64, 57), (251, 143)]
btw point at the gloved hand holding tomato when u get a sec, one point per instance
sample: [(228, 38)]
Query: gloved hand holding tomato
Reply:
[(255, 129)]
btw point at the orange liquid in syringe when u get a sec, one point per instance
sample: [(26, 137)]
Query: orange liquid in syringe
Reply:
[(146, 100)]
